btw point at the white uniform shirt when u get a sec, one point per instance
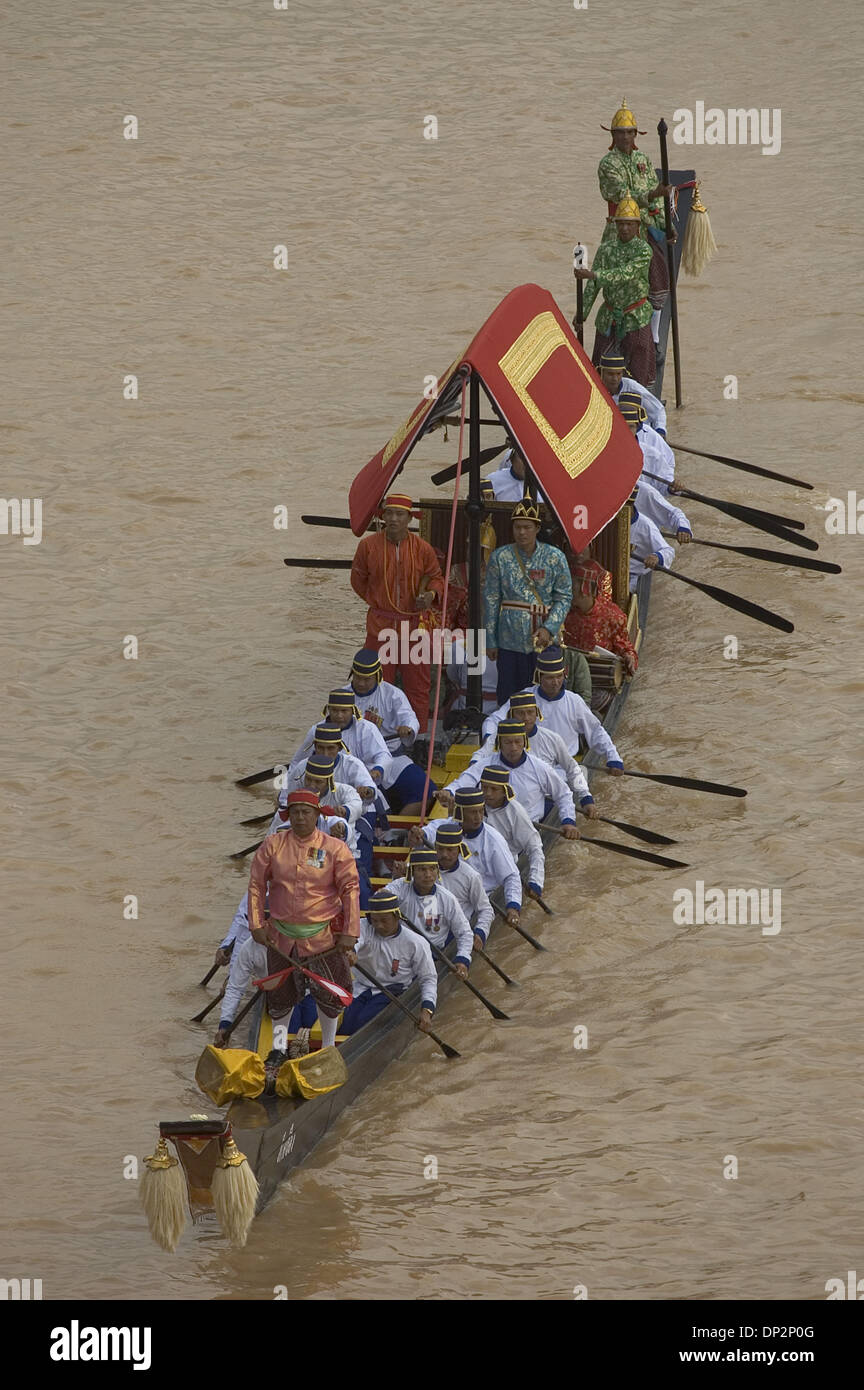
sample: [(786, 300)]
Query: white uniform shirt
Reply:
[(396, 960), (495, 864), (466, 885), (658, 508), (389, 702), (654, 409), (519, 831), (437, 914), (532, 780), (550, 746), (362, 740), (249, 962), (646, 540), (568, 715), (658, 460), (238, 932)]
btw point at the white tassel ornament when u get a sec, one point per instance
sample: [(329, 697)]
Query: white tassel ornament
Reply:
[(163, 1197)]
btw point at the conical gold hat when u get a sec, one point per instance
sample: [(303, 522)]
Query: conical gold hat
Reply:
[(628, 211), (623, 118)]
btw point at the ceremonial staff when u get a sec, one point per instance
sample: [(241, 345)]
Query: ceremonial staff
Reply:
[(670, 259)]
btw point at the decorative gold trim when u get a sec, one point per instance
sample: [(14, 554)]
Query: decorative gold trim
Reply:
[(161, 1158), (521, 363)]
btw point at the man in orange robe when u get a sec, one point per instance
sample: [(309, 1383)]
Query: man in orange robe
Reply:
[(314, 902), (399, 576)]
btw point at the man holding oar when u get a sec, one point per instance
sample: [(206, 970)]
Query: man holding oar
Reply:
[(489, 849), (535, 782), (394, 956), (544, 743), (463, 880), (432, 908), (648, 549), (505, 813), (314, 910), (387, 707), (658, 460)]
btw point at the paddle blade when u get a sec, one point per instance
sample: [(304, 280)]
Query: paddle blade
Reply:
[(776, 557), (255, 777), (448, 1051), (258, 820), (740, 605), (744, 467), (637, 853), (341, 521), (241, 853), (694, 784), (651, 837)]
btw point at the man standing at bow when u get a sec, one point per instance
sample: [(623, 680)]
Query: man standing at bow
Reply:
[(314, 911), (528, 594), (399, 576), (622, 271)]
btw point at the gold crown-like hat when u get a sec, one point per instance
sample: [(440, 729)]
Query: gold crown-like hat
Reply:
[(526, 510), (628, 210), (623, 118)]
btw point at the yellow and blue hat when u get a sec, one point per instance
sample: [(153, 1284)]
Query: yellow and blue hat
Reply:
[(497, 777)]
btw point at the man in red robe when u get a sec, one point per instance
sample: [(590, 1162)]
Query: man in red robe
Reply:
[(399, 576), (594, 620)]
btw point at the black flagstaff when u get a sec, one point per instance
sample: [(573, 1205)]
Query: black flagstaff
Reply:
[(670, 261)]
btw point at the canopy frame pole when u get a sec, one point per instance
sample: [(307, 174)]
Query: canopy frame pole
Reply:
[(474, 510)]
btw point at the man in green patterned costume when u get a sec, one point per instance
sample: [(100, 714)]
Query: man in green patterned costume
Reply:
[(622, 270)]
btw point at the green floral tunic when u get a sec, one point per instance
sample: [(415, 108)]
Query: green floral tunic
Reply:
[(622, 271), (620, 174)]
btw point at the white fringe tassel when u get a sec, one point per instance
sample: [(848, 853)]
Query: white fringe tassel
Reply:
[(699, 244), (235, 1195), (163, 1197)]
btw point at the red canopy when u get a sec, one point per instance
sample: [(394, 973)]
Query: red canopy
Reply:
[(577, 444)]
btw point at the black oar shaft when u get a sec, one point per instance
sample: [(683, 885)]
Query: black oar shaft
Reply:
[(535, 897), (774, 557), (651, 837), (440, 955), (317, 564), (484, 955), (250, 1004), (662, 128), (199, 1018), (625, 849), (730, 600), (694, 784), (258, 820), (446, 475), (218, 966), (255, 777), (394, 999), (241, 853), (532, 941), (744, 467)]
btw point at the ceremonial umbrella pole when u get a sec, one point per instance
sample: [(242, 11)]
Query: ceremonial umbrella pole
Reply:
[(670, 261), (475, 510)]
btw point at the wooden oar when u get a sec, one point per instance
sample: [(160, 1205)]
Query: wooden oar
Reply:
[(744, 467), (436, 951), (484, 955), (775, 557), (199, 1018), (624, 849), (730, 600), (651, 837), (447, 474), (394, 999), (317, 564), (241, 853), (760, 521), (532, 941), (693, 784)]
